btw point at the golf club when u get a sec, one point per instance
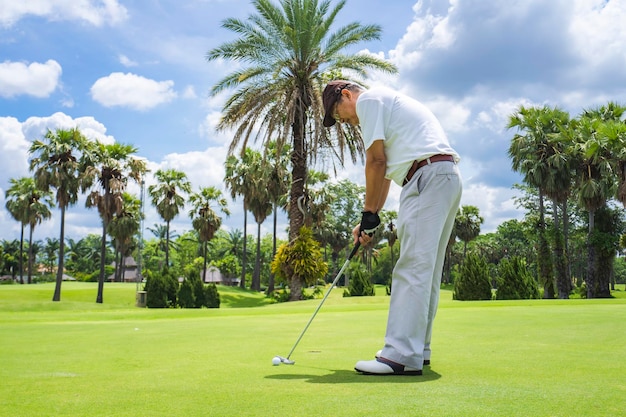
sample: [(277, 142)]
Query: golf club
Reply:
[(288, 361)]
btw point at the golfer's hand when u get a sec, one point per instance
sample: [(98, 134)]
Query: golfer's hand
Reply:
[(364, 231)]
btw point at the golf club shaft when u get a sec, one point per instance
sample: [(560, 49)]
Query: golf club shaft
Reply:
[(339, 274)]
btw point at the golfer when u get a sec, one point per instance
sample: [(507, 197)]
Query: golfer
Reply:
[(405, 144)]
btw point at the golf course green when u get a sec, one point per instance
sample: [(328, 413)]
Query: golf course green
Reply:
[(492, 358)]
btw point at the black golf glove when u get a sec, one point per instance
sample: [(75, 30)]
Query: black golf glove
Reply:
[(369, 222)]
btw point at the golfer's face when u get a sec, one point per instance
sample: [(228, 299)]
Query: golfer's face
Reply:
[(345, 111)]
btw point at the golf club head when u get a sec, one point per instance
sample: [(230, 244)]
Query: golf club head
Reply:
[(286, 361)]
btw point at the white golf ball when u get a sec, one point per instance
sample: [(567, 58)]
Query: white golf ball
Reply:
[(275, 361)]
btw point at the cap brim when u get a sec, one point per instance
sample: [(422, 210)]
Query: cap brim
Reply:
[(329, 121)]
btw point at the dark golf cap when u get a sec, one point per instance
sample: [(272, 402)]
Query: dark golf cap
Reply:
[(331, 94)]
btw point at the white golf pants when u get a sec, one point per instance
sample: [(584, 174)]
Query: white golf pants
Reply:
[(428, 206)]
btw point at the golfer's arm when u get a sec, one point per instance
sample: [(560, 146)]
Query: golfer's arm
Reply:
[(376, 186)]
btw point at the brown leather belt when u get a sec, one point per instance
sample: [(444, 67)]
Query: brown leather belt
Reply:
[(418, 164)]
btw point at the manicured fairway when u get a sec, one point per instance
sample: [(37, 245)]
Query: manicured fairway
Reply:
[(517, 358)]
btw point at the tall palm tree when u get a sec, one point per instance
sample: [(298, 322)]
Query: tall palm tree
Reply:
[(285, 55), (205, 219), (278, 188), (533, 153), (259, 201), (167, 198), (124, 225), (110, 166), (236, 179), (56, 165), (50, 249), (467, 225), (34, 205), (16, 203), (596, 166)]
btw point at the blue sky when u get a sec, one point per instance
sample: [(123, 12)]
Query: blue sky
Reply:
[(134, 71)]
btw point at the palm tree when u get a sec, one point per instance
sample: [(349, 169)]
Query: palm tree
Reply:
[(166, 197), (51, 249), (467, 225), (205, 219), (16, 203), (534, 153), (278, 188), (34, 249), (285, 54), (124, 225), (236, 176), (56, 165), (596, 166), (259, 201), (110, 166), (34, 207)]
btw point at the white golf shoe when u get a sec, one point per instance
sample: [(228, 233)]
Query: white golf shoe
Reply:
[(382, 366)]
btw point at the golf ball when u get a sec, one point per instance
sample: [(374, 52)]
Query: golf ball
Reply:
[(275, 361)]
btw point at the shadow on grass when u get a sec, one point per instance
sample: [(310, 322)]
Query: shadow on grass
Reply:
[(352, 377)]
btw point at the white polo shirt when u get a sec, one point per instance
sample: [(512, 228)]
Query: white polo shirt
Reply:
[(408, 128)]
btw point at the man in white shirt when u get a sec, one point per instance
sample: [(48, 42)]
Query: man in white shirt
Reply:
[(404, 143)]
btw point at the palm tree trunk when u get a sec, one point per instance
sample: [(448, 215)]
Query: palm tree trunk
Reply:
[(244, 261), (544, 260), (256, 276), (22, 255), (57, 287), (560, 258), (565, 214), (298, 175), (591, 259), (30, 255), (167, 246), (205, 261), (270, 284), (99, 295)]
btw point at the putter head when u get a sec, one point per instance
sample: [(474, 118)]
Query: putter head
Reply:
[(286, 361)]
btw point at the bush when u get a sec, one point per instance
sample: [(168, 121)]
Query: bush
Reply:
[(186, 298), (473, 282), (199, 293), (302, 258), (212, 296), (156, 295), (161, 290), (515, 281), (360, 284)]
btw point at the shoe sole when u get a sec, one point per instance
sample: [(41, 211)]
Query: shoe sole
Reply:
[(402, 373)]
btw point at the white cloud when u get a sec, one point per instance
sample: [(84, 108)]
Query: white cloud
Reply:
[(133, 91), (95, 12), (36, 127), (13, 149), (495, 204), (126, 61), (35, 79)]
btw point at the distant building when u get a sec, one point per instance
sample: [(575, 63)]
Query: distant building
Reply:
[(215, 276), (130, 272)]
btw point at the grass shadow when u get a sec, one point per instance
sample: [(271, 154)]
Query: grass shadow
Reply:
[(344, 376)]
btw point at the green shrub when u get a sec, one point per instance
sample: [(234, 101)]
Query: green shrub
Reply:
[(515, 281), (199, 293), (360, 284), (212, 296), (156, 294), (302, 258), (473, 282), (185, 295), (171, 287)]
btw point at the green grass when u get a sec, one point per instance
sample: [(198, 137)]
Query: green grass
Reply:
[(498, 358)]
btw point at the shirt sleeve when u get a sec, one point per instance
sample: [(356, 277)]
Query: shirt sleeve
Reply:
[(371, 112)]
